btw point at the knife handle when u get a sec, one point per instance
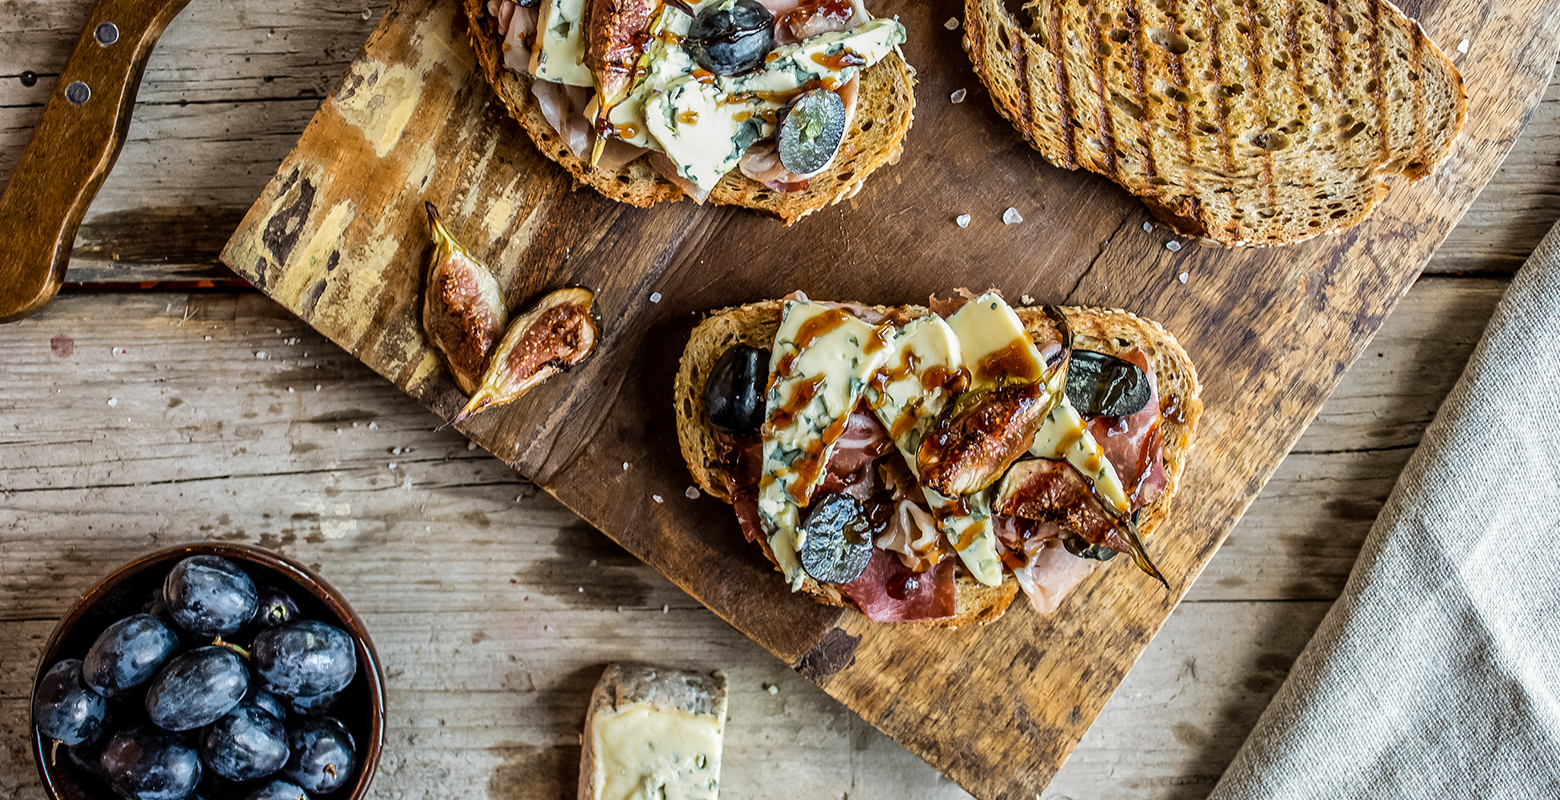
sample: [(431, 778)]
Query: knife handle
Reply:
[(73, 147)]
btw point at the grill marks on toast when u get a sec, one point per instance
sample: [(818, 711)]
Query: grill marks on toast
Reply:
[(1195, 116)]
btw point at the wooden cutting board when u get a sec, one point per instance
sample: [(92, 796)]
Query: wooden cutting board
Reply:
[(339, 236)]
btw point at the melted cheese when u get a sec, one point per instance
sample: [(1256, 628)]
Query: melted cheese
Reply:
[(909, 409), (643, 753), (986, 327), (560, 44), (1065, 436), (834, 366)]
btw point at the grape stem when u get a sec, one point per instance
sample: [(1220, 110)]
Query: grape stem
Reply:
[(54, 750), (244, 654)]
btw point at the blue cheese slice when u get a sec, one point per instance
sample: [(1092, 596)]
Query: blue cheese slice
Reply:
[(819, 367), (560, 44), (1065, 436), (907, 394), (653, 734)]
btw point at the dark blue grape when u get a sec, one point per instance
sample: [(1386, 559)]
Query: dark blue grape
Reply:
[(246, 744), (196, 689), (322, 754), (128, 654), (267, 702), (314, 704), (276, 607), (64, 709), (305, 658), (731, 38), (279, 790), (734, 392), (144, 763), (209, 596)]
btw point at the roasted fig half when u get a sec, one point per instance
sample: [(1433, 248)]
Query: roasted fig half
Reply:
[(559, 332), (838, 539), (463, 309), (1101, 385), (734, 392), (1054, 491), (979, 435)]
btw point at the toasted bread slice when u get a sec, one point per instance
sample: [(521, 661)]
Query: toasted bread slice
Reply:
[(1103, 330), (666, 694), (885, 107), (1254, 123)]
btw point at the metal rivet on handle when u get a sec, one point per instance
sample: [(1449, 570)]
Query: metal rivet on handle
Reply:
[(106, 34), (78, 93)]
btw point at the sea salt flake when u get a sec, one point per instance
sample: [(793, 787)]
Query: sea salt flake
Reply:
[(952, 24), (665, 609), (1011, 216), (1028, 301), (113, 401), (1182, 277), (657, 498), (655, 297), (958, 96), (289, 390), (692, 493), (772, 689), (373, 426), (1148, 227), (963, 220), (625, 466), (260, 356), (471, 445), (1173, 246), (1462, 47)]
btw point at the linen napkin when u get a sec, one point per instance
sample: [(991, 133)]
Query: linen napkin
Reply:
[(1437, 673)]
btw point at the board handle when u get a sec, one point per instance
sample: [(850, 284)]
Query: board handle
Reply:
[(73, 148)]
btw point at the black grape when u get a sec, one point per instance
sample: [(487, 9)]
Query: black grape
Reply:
[(300, 659), (64, 709), (322, 758), (144, 763), (209, 596), (128, 654), (196, 689)]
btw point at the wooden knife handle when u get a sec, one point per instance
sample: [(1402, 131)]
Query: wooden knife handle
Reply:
[(73, 148)]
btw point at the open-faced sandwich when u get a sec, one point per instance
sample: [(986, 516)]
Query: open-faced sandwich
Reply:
[(783, 106), (923, 465)]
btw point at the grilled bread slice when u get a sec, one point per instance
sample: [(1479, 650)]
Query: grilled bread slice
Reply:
[(1103, 330), (1249, 123), (885, 108)]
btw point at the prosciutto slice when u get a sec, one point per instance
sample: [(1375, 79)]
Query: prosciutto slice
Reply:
[(1134, 444), (519, 26), (1050, 573), (890, 592)]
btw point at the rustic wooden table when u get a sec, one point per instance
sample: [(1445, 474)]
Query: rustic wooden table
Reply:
[(142, 410)]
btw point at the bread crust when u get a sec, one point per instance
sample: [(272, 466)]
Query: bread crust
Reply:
[(1229, 125), (1109, 331), (884, 112)]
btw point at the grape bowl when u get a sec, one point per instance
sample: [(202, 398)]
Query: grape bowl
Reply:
[(209, 671)]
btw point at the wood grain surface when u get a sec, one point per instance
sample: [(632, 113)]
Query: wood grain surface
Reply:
[(204, 440), (337, 237)]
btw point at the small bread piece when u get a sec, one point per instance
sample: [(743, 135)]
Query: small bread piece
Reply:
[(1245, 123), (885, 108), (1105, 330), (651, 728)]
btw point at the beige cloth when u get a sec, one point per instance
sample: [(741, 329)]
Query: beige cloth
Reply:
[(1437, 673)]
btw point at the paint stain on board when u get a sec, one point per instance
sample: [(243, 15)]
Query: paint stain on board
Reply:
[(531, 772), (62, 346), (586, 559)]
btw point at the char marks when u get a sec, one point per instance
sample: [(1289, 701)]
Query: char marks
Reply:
[(1140, 86), (1183, 115), (1335, 67), (1064, 108), (1378, 79), (1221, 104), (1107, 125), (1259, 94)]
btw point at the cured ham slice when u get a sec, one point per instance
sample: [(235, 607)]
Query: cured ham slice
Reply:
[(1134, 444), (890, 592), (519, 26), (1050, 573)]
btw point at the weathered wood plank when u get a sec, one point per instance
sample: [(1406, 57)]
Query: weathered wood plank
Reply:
[(85, 485)]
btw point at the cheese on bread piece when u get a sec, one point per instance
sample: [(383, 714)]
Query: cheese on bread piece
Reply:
[(819, 367), (653, 734)]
